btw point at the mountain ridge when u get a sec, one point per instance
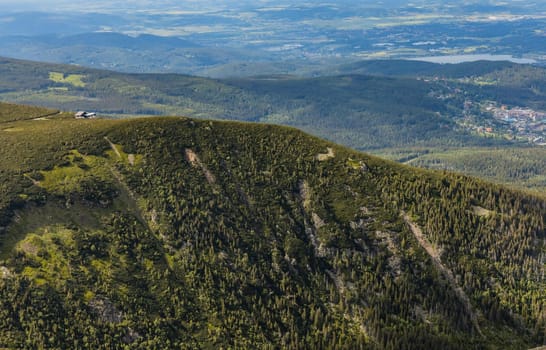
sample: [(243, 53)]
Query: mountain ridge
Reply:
[(436, 116), (177, 232)]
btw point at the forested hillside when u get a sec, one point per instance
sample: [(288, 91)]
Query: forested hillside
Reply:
[(397, 109), (182, 233), (363, 112)]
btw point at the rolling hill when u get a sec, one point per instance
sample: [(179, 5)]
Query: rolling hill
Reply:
[(434, 115), (360, 111), (184, 233)]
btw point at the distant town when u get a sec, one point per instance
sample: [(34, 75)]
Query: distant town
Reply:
[(523, 122), (516, 123)]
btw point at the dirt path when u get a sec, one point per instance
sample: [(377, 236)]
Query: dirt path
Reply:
[(148, 220), (35, 117), (193, 158), (447, 273), (131, 197), (114, 148), (34, 182)]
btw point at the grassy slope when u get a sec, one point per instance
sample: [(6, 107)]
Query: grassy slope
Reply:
[(209, 234), (12, 112)]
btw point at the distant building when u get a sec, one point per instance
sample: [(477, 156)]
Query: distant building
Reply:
[(85, 115)]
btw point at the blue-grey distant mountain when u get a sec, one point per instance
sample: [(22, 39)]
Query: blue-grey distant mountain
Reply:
[(43, 23), (111, 39)]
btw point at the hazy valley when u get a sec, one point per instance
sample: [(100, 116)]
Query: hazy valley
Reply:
[(247, 38)]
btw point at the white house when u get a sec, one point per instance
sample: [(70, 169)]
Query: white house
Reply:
[(85, 115)]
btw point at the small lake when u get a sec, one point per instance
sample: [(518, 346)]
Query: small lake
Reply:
[(471, 58)]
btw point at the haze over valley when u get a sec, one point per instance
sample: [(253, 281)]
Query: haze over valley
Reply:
[(234, 38)]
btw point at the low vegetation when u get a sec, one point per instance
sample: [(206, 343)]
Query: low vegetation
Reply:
[(11, 112)]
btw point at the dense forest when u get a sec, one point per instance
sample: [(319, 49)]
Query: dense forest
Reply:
[(184, 233), (521, 167)]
